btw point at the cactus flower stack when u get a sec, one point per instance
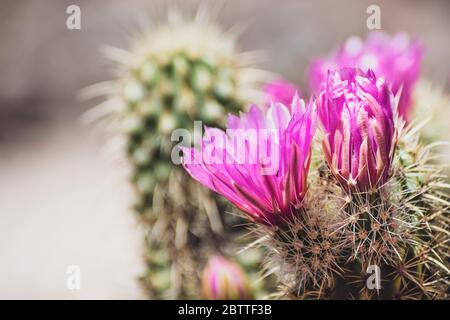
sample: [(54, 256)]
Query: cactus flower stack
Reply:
[(373, 200)]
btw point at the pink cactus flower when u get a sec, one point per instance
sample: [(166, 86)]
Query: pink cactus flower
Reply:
[(280, 91), (397, 59), (357, 114), (224, 280), (261, 163)]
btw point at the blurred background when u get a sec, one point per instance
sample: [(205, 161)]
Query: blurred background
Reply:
[(62, 201)]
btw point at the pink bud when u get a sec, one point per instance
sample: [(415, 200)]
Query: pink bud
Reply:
[(224, 280), (357, 114)]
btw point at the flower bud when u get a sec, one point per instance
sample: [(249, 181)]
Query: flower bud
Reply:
[(224, 280), (356, 110)]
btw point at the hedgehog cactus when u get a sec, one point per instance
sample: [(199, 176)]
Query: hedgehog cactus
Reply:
[(180, 72), (176, 73), (373, 201), (393, 203)]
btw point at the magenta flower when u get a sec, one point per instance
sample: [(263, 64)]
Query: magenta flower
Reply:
[(357, 114), (224, 280), (261, 163), (397, 59), (280, 91)]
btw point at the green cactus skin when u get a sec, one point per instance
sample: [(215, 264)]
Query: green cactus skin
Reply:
[(176, 73), (160, 98)]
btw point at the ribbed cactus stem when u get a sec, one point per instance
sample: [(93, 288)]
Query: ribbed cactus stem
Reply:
[(176, 73)]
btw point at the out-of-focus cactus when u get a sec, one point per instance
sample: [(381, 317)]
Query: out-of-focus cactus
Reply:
[(177, 72), (180, 72), (432, 111)]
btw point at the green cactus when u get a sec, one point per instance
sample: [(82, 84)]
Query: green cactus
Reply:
[(176, 73), (163, 97)]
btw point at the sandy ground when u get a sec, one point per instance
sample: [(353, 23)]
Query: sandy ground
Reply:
[(72, 211)]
